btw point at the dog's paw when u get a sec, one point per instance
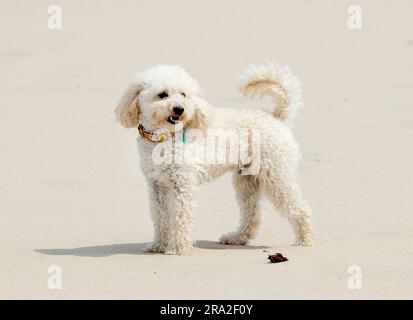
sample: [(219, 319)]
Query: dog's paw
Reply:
[(304, 242), (178, 250), (233, 238), (155, 247), (171, 251)]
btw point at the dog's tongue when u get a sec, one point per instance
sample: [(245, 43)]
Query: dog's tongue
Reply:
[(175, 118)]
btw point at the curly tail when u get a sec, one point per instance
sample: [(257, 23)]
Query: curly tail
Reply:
[(276, 81)]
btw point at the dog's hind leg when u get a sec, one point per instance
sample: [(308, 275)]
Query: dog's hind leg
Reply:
[(284, 191), (248, 193), (160, 217)]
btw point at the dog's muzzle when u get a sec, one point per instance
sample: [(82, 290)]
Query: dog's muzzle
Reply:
[(174, 119)]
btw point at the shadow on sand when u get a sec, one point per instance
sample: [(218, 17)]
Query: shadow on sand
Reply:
[(133, 248)]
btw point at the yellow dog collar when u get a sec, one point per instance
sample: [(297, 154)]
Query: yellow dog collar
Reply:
[(152, 136)]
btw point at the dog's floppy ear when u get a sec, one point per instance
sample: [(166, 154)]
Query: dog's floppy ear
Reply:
[(199, 119), (127, 110)]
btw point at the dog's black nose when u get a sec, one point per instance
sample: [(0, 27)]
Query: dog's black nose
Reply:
[(178, 110)]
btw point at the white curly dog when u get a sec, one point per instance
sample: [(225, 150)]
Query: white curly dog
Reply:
[(167, 107)]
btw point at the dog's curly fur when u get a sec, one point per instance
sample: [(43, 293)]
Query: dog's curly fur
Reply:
[(172, 186)]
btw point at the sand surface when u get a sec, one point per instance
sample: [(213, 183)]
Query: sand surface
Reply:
[(72, 195)]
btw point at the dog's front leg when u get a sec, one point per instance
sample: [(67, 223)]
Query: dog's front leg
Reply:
[(160, 217), (182, 204)]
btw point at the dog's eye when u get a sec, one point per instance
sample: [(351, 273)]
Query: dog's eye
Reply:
[(163, 95), (183, 94)]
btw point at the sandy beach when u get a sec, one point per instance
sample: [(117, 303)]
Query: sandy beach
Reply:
[(73, 196)]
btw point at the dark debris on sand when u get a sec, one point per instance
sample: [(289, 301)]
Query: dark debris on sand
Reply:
[(276, 258)]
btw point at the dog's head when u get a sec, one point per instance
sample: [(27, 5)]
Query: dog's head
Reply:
[(162, 97)]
